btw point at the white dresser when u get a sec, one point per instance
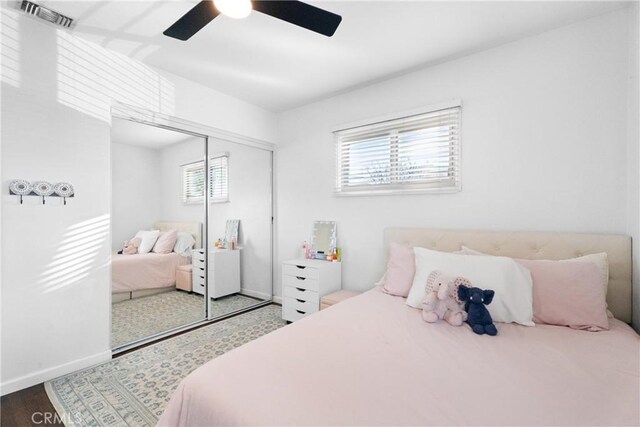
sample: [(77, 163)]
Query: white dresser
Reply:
[(304, 282), (224, 272)]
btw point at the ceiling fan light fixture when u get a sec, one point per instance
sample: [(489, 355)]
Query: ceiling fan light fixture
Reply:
[(236, 9)]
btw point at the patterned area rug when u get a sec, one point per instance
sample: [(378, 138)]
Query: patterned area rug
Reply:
[(139, 318), (133, 390)]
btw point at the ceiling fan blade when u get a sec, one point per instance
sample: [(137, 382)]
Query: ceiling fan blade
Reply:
[(300, 14), (192, 21)]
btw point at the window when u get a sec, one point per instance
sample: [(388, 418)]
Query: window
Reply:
[(418, 153), (193, 181)]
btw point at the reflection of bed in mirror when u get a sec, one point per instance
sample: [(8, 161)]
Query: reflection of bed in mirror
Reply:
[(140, 275)]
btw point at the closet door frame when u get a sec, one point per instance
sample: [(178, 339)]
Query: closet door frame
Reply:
[(136, 114)]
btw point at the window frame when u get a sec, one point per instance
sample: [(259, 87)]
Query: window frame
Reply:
[(199, 164), (451, 184)]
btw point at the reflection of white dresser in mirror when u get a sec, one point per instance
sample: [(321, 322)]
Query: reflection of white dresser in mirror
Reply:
[(224, 272)]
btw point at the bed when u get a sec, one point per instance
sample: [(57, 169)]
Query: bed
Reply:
[(372, 360), (146, 274)]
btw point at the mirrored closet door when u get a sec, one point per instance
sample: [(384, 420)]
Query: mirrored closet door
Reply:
[(158, 219), (239, 260)]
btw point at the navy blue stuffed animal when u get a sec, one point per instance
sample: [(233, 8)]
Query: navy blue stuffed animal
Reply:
[(478, 317)]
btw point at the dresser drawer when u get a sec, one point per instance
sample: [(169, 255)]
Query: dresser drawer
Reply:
[(303, 306), (300, 282), (291, 314), (300, 271), (198, 262), (301, 294)]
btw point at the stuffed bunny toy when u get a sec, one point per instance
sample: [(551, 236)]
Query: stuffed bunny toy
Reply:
[(441, 301), (131, 246)]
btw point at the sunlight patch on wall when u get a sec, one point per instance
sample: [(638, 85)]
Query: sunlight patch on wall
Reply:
[(10, 47), (78, 254), (91, 78)]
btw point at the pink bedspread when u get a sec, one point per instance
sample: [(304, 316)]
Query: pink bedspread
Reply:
[(144, 271), (371, 360)]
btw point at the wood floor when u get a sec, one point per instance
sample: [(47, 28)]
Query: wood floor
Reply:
[(28, 407)]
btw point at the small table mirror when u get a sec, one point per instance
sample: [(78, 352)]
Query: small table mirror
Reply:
[(324, 236), (231, 231)]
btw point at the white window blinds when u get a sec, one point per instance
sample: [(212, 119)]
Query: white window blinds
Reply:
[(193, 181), (411, 154)]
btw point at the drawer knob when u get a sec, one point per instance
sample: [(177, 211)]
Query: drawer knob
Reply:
[(300, 300), (301, 290), (202, 277), (301, 312), (300, 278), (301, 267)]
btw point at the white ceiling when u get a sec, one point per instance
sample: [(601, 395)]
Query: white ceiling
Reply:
[(278, 66), (146, 136)]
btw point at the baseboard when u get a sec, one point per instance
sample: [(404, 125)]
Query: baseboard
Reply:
[(277, 300), (38, 377), (255, 294)]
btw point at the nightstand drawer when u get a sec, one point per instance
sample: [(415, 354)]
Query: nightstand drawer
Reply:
[(300, 271), (291, 314), (301, 294), (307, 307), (300, 282)]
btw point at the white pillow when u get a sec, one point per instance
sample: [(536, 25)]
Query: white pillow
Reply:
[(513, 300), (184, 243), (148, 238)]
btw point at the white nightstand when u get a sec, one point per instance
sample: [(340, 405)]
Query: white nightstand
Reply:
[(224, 272), (304, 282)]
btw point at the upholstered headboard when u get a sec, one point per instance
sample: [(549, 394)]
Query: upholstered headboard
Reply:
[(533, 245), (193, 228)]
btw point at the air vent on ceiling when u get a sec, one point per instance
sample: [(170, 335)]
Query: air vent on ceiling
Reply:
[(47, 14)]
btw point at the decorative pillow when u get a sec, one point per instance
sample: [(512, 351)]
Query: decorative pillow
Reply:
[(148, 238), (184, 243), (513, 301), (400, 270), (166, 241), (600, 260), (568, 294), (402, 263)]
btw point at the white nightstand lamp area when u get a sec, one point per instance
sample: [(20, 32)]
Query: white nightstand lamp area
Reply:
[(304, 283)]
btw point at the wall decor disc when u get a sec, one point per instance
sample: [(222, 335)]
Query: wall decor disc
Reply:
[(20, 187), (43, 188), (63, 189)]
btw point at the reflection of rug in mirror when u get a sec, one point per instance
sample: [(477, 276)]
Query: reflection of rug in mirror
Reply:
[(139, 318), (134, 389)]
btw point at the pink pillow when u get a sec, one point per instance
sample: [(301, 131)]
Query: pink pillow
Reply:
[(400, 270), (568, 294), (165, 243)]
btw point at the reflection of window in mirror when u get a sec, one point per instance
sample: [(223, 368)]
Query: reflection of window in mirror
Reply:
[(193, 180), (323, 236)]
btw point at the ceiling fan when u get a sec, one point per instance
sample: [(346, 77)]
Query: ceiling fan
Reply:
[(293, 11)]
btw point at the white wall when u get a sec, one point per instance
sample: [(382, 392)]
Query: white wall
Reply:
[(543, 147), (633, 156), (56, 96), (135, 190)]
